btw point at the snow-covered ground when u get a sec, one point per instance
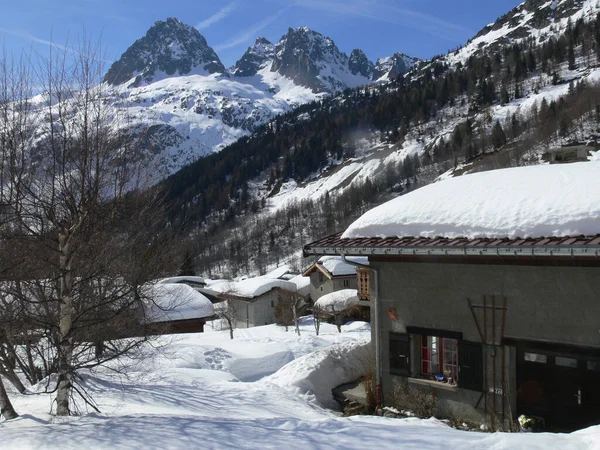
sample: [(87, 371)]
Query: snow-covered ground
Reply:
[(264, 389)]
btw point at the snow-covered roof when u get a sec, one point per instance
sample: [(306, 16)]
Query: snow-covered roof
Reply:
[(338, 301), (337, 267), (279, 272), (302, 285), (182, 279), (534, 201), (170, 302), (252, 287)]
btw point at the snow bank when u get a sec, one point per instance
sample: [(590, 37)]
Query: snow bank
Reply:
[(168, 302), (254, 368), (337, 267), (319, 372), (534, 201), (338, 301)]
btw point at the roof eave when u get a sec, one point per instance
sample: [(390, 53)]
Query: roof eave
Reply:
[(591, 251)]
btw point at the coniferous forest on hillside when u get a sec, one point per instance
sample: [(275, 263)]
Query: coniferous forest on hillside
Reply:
[(230, 228)]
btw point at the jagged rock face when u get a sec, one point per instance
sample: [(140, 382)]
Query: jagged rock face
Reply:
[(302, 54), (359, 64), (169, 46), (255, 58), (392, 66)]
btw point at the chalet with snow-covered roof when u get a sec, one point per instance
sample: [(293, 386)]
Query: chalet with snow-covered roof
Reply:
[(252, 301), (330, 274), (172, 308), (485, 291)]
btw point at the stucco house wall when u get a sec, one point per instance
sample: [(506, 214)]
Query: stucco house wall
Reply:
[(259, 311), (321, 284), (544, 303)]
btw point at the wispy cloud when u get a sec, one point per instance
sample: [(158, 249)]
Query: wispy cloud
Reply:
[(386, 12), (64, 48), (218, 16), (250, 32), (31, 37)]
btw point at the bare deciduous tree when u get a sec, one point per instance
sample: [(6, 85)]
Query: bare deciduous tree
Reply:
[(227, 311), (287, 309), (318, 315), (80, 234)]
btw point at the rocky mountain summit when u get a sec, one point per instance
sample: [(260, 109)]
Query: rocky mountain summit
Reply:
[(314, 61), (256, 57), (182, 103), (387, 69), (359, 64), (169, 47)]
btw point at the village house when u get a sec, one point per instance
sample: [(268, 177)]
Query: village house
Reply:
[(173, 308), (330, 274), (484, 292), (252, 302)]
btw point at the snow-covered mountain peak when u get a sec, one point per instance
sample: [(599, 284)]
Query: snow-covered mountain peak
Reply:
[(258, 56), (314, 61), (387, 69), (169, 47), (359, 64)]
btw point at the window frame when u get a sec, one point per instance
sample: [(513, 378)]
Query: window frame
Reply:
[(439, 357)]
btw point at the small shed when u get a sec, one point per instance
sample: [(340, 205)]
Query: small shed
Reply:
[(172, 308)]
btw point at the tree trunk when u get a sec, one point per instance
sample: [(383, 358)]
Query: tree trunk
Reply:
[(295, 312), (65, 350), (6, 407), (230, 324), (338, 322), (14, 380)]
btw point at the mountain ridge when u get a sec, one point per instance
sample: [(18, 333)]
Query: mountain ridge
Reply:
[(182, 103)]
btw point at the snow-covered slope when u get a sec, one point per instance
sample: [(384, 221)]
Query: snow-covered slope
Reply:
[(536, 19), (182, 118)]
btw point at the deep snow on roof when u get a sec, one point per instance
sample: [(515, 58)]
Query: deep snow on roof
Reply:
[(182, 279), (302, 284), (338, 301), (169, 302), (337, 267), (279, 272), (252, 287), (533, 201)]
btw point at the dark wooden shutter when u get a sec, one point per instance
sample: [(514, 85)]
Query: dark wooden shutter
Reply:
[(399, 354), (470, 365)]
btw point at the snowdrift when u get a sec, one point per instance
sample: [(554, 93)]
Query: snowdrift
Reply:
[(317, 373)]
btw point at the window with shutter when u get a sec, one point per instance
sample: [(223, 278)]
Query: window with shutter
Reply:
[(470, 365), (364, 287), (399, 354)]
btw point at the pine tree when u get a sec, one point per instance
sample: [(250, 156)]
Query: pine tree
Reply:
[(498, 136)]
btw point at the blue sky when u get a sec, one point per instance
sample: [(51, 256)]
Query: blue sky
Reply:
[(380, 28)]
